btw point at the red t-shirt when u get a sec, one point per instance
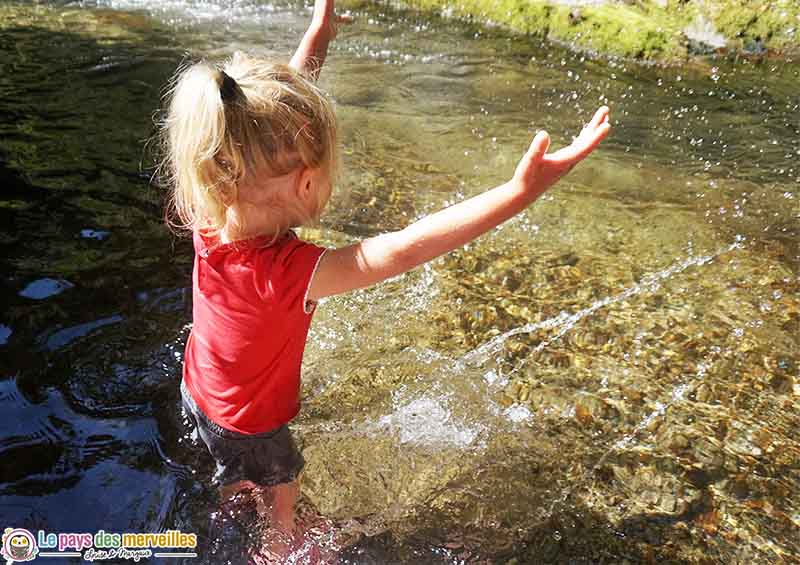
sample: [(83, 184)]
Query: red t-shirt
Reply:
[(251, 320)]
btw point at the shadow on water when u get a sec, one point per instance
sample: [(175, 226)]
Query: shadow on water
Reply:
[(91, 280), (572, 534), (611, 376)]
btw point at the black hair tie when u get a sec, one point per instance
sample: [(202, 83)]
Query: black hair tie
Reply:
[(227, 89)]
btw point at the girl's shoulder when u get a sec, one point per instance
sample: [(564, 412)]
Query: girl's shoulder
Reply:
[(207, 243)]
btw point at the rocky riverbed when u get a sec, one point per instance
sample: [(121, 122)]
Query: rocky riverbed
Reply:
[(610, 377)]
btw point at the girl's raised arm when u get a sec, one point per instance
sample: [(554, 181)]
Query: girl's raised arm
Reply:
[(313, 48), (382, 257)]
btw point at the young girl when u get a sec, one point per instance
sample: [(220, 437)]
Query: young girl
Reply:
[(251, 152)]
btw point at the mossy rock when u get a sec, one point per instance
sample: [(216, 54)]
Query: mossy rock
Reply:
[(614, 29), (645, 30), (621, 30), (769, 24)]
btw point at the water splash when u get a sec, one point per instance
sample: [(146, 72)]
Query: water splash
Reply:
[(564, 322), (428, 421)]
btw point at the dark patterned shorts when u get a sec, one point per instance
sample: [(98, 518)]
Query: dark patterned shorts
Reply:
[(266, 459)]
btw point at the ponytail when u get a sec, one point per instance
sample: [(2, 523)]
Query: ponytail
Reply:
[(194, 127)]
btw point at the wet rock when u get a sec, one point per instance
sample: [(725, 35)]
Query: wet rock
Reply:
[(679, 442), (583, 415), (739, 487), (668, 502), (704, 35), (703, 393), (656, 29)]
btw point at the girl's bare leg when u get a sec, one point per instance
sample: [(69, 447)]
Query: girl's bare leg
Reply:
[(276, 505)]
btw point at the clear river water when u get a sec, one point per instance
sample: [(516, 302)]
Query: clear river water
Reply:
[(612, 376)]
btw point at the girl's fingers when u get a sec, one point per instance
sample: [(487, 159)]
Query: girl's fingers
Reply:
[(592, 141), (533, 156), (590, 137), (539, 146), (599, 117), (323, 7), (582, 146)]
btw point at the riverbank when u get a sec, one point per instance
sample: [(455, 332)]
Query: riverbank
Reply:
[(650, 30)]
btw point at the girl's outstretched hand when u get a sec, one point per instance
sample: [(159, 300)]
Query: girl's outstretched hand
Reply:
[(313, 48), (387, 255), (539, 170), (325, 18)]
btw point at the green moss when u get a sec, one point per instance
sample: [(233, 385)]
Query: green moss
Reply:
[(526, 17), (621, 30), (640, 30), (774, 24), (613, 29)]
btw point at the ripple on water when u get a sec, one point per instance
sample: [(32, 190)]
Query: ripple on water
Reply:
[(61, 338), (68, 458), (45, 288), (605, 332)]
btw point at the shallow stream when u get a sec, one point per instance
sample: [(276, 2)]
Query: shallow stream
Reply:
[(613, 375)]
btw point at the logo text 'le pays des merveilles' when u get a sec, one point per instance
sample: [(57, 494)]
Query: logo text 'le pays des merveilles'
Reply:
[(21, 545)]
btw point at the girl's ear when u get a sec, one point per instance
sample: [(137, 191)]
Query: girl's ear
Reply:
[(305, 185), (313, 190)]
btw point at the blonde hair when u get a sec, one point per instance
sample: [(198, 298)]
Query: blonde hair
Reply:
[(250, 118)]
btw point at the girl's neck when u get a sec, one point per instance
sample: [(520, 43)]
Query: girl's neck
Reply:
[(247, 221), (258, 210), (228, 235)]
